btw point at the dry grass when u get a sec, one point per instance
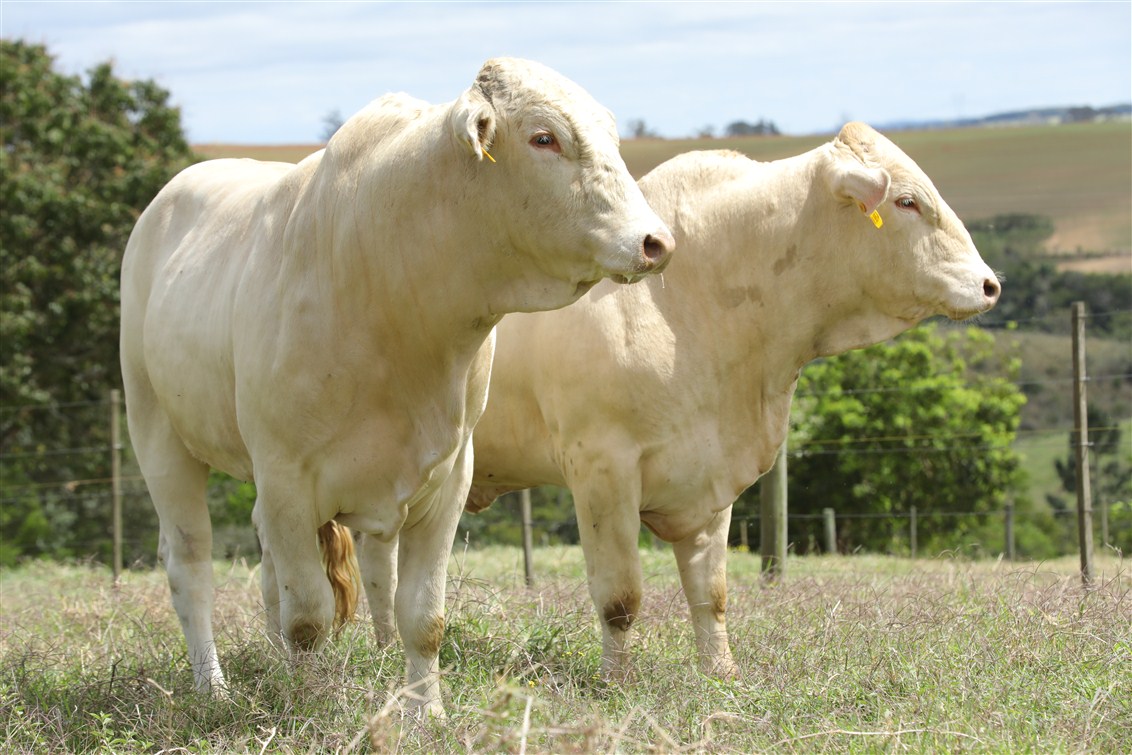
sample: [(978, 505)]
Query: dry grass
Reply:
[(860, 654)]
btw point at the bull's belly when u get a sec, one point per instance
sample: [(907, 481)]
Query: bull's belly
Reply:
[(682, 493)]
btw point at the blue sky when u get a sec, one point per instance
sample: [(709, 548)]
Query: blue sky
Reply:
[(270, 72)]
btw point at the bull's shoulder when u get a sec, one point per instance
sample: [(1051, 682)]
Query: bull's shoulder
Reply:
[(386, 117), (215, 179)]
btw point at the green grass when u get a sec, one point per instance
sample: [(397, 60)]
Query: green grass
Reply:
[(849, 654), (1078, 175)]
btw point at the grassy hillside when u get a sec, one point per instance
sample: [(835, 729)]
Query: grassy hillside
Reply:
[(1079, 175)]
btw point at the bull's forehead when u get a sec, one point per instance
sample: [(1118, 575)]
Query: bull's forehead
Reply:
[(902, 168), (519, 87)]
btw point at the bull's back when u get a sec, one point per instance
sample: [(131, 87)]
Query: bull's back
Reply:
[(180, 273)]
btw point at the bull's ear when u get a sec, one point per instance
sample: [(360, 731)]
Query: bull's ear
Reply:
[(472, 119), (866, 187)]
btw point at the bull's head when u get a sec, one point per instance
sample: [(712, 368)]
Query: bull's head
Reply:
[(547, 163), (916, 256)]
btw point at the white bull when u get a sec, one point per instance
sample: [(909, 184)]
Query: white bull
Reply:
[(660, 403), (326, 329)]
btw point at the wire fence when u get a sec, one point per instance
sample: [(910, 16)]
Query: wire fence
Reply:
[(83, 498)]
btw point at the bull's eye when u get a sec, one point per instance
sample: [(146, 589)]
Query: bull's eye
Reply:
[(907, 203), (545, 140)]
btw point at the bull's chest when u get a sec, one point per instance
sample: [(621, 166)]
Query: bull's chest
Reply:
[(401, 459)]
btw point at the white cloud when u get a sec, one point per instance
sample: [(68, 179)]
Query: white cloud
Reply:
[(270, 72)]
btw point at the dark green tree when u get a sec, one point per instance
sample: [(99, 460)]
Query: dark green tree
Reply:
[(926, 420), (81, 157), (1110, 477)]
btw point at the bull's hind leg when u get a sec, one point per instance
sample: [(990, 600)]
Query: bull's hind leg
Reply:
[(377, 560), (702, 560), (177, 483)]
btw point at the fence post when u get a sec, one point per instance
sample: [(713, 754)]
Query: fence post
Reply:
[(1081, 428), (1008, 512), (743, 541), (912, 532), (528, 544), (830, 530), (116, 480), (772, 518)]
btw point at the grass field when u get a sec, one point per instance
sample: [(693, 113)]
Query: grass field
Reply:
[(1079, 175), (849, 654)]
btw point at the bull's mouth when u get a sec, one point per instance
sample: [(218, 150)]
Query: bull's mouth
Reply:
[(958, 315), (626, 279)]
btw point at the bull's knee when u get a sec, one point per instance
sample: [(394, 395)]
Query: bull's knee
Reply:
[(307, 620), (719, 601), (306, 635), (425, 635), (620, 612)]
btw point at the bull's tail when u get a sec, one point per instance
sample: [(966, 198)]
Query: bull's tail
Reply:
[(341, 564)]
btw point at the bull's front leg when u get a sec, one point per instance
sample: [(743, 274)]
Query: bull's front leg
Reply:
[(608, 526), (702, 560), (297, 595), (424, 546), (377, 561)]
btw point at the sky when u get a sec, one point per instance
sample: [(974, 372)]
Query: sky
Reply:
[(273, 72)]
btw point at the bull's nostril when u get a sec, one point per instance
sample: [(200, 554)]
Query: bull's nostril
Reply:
[(991, 289), (653, 248)]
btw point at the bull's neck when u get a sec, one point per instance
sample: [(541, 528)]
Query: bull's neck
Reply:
[(413, 263), (782, 279)]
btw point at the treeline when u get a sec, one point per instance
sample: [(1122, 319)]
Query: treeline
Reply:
[(1037, 293)]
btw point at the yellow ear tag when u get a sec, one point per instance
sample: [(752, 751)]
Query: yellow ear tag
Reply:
[(875, 216), (489, 157)]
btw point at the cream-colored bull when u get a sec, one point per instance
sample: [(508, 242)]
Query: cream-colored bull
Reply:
[(660, 403), (326, 329)]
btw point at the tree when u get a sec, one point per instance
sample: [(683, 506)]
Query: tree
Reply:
[(638, 129), (81, 157), (762, 128), (331, 122), (926, 420), (1110, 475)]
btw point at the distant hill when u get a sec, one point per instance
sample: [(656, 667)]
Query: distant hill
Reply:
[(1045, 116), (1076, 174)]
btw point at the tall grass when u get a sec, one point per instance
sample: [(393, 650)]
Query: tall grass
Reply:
[(848, 654)]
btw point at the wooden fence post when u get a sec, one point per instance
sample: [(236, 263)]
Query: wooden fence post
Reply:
[(743, 541), (116, 480), (1081, 428), (912, 530), (1008, 513), (830, 530), (772, 518), (528, 540)]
